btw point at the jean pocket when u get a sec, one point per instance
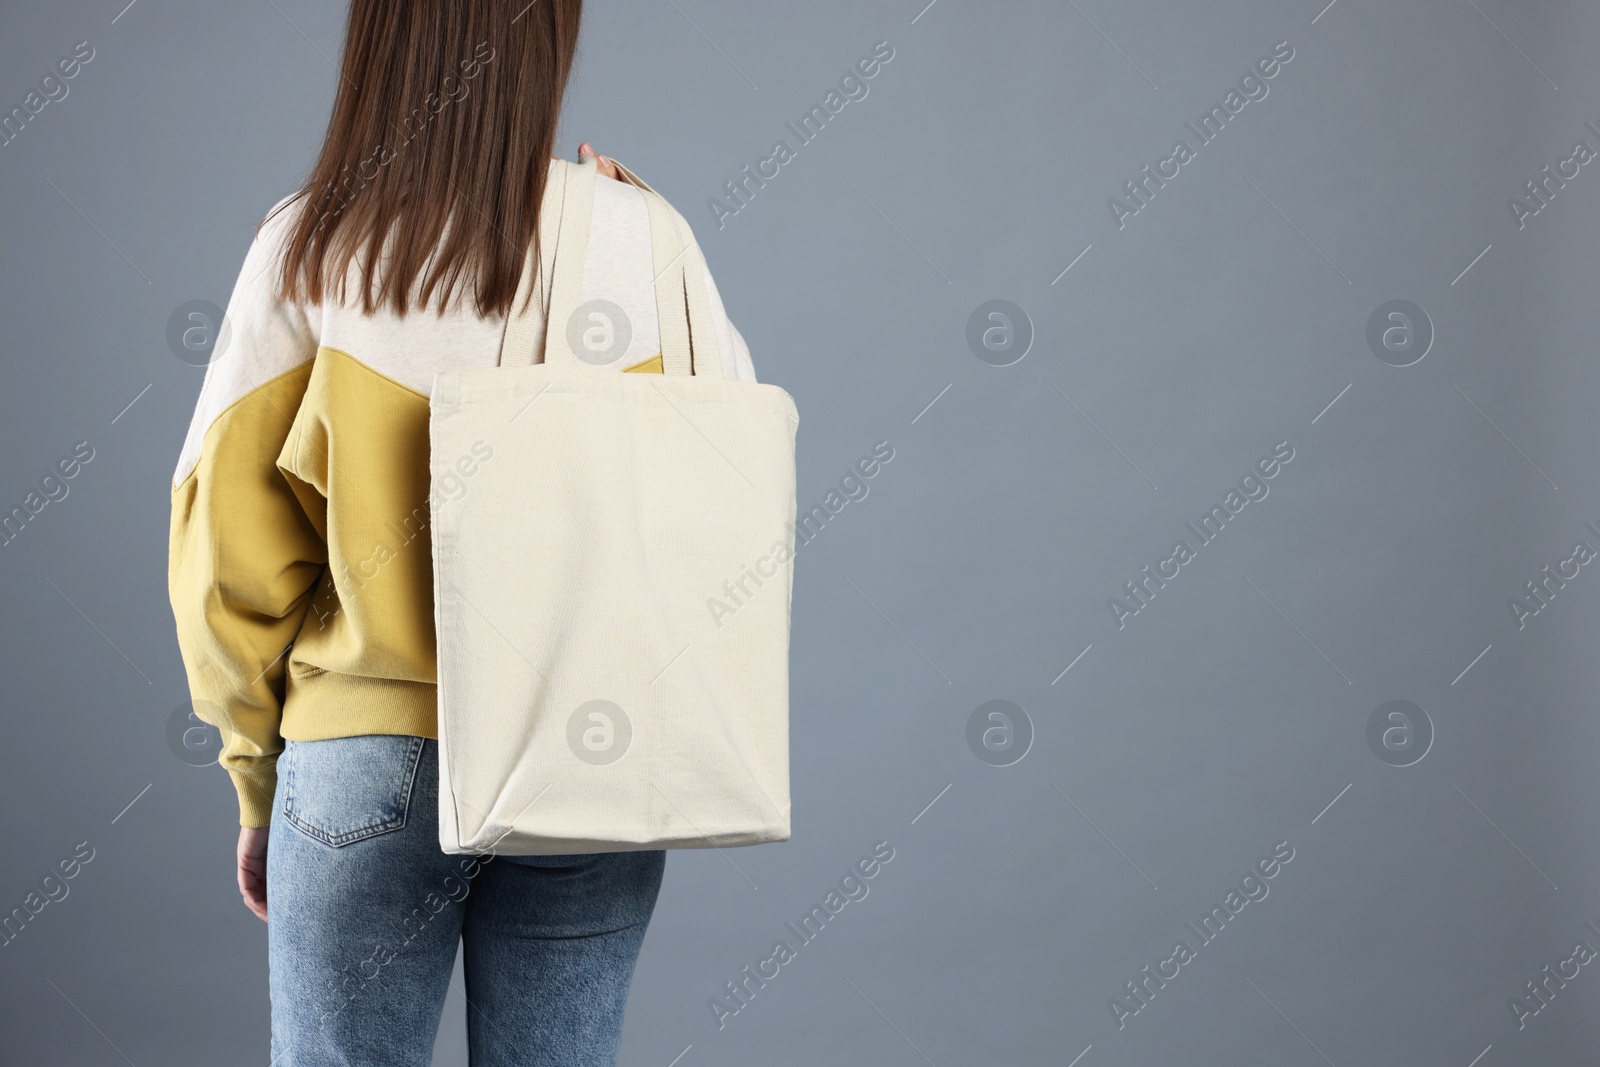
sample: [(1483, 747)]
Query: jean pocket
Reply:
[(347, 789)]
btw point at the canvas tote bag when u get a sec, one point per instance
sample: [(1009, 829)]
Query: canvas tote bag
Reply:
[(612, 574)]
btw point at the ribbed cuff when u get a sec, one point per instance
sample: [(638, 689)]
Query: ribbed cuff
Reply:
[(255, 787)]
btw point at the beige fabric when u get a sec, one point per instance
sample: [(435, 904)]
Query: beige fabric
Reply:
[(592, 697)]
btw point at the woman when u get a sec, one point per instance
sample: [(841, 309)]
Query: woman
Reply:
[(300, 564)]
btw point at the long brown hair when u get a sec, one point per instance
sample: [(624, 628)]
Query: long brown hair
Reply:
[(438, 148)]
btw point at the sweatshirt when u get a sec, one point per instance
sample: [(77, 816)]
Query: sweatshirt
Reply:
[(299, 564)]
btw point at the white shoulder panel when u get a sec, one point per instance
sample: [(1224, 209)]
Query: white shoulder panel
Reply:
[(261, 338)]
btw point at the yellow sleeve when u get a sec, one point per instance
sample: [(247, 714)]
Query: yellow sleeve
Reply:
[(244, 555)]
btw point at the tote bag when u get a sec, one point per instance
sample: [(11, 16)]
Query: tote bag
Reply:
[(612, 587)]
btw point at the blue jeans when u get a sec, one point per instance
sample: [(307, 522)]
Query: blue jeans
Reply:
[(366, 912)]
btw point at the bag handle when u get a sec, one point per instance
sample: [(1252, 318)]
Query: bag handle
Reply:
[(680, 276), (668, 253), (516, 346), (564, 246), (683, 310)]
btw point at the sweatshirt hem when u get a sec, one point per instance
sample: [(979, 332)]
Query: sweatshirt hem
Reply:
[(328, 704)]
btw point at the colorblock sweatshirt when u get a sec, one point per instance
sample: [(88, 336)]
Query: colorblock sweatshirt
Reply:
[(300, 570)]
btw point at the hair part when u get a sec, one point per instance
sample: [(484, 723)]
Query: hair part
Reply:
[(436, 156)]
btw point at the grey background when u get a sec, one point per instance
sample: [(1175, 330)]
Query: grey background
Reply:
[(1226, 717)]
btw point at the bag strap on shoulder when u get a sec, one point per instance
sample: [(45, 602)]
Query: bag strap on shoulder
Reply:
[(528, 306), (683, 309)]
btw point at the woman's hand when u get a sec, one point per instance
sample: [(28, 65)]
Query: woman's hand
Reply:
[(606, 167), (253, 869)]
